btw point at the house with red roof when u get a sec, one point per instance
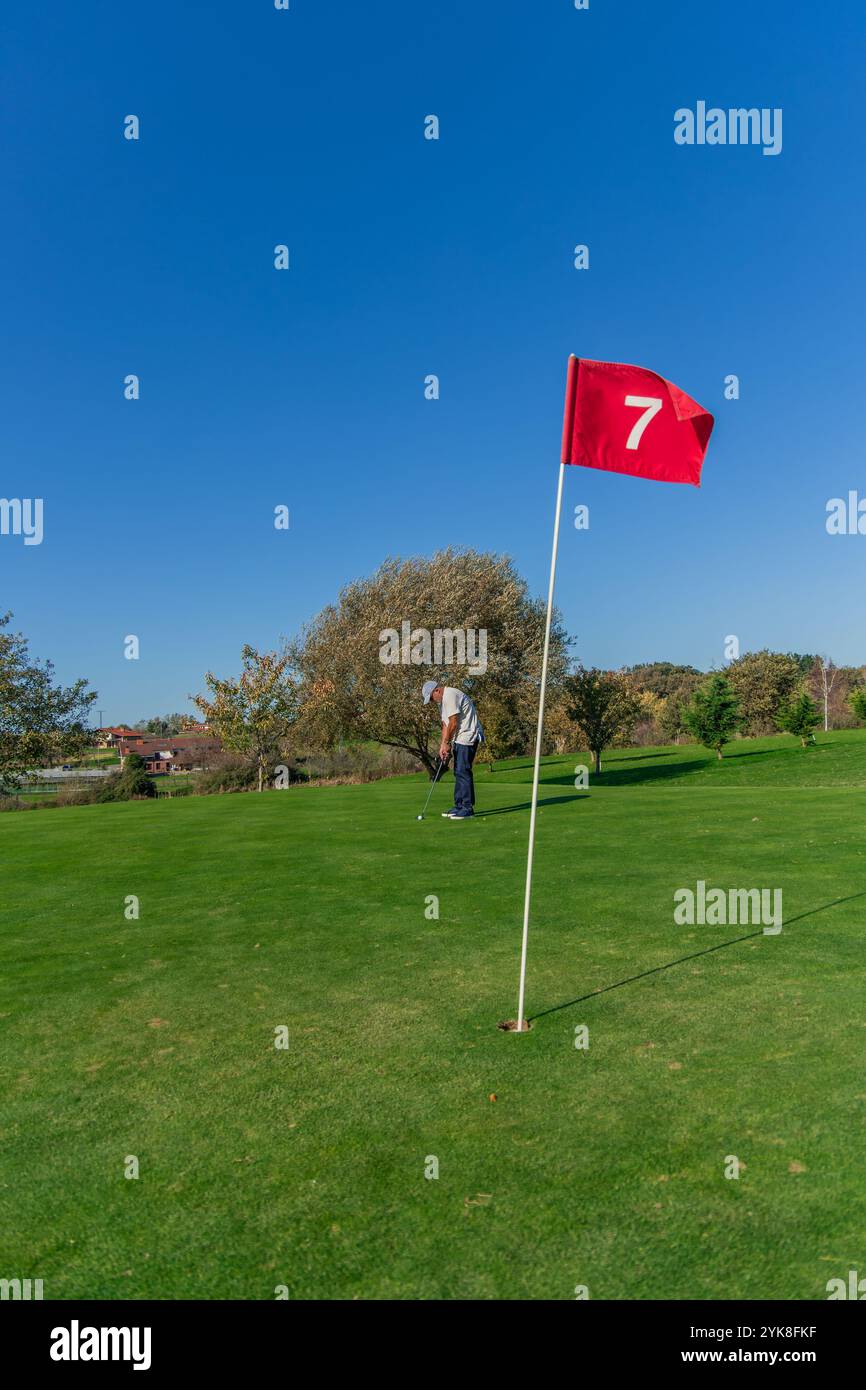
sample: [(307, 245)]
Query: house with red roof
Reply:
[(120, 733), (172, 752)]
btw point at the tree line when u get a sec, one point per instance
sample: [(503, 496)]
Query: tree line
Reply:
[(330, 686), (338, 684)]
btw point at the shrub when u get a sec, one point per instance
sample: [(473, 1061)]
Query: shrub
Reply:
[(176, 786), (77, 795), (360, 762), (229, 773), (131, 784), (12, 803)]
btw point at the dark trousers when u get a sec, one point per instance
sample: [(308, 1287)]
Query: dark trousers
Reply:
[(464, 786)]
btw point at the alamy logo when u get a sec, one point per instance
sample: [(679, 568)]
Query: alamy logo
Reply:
[(856, 1288), (738, 126), (445, 646), (20, 1289), (76, 1343), (738, 907), (22, 516), (846, 518)]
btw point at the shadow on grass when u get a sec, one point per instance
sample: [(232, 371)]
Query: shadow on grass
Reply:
[(707, 951), (637, 755), (782, 750), (549, 762), (527, 805), (731, 752), (626, 776)]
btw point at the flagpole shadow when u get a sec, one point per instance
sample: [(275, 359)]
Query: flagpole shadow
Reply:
[(527, 805), (705, 951)]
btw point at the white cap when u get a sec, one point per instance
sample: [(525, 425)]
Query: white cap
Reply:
[(427, 690)]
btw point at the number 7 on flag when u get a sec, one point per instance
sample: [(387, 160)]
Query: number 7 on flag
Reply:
[(651, 405), (600, 431)]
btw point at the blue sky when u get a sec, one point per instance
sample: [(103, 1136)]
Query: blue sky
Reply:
[(411, 257)]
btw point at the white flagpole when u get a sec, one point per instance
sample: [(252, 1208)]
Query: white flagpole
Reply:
[(566, 444)]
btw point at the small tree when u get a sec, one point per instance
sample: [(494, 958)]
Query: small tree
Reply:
[(799, 717), (857, 701), (507, 732), (822, 678), (714, 714), (254, 714), (650, 706), (559, 731), (672, 718), (602, 706)]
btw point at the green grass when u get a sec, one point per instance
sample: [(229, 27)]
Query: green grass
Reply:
[(305, 1167), (96, 757)]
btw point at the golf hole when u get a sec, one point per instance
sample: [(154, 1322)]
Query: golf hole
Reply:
[(509, 1025)]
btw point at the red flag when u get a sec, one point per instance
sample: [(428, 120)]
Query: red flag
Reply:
[(630, 420)]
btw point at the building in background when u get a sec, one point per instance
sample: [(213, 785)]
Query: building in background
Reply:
[(188, 752), (112, 737)]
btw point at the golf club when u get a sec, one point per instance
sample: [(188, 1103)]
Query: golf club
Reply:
[(442, 763)]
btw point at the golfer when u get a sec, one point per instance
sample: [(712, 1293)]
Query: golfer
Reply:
[(462, 732)]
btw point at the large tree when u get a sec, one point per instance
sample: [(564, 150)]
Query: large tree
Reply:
[(41, 722), (603, 706), (254, 713), (363, 660), (762, 681), (714, 715)]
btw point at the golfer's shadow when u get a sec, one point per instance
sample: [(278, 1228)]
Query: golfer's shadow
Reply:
[(707, 950), (527, 805)]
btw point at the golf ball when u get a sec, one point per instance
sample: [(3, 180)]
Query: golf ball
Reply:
[(419, 817)]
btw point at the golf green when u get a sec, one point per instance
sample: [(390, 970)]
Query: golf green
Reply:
[(307, 1166)]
